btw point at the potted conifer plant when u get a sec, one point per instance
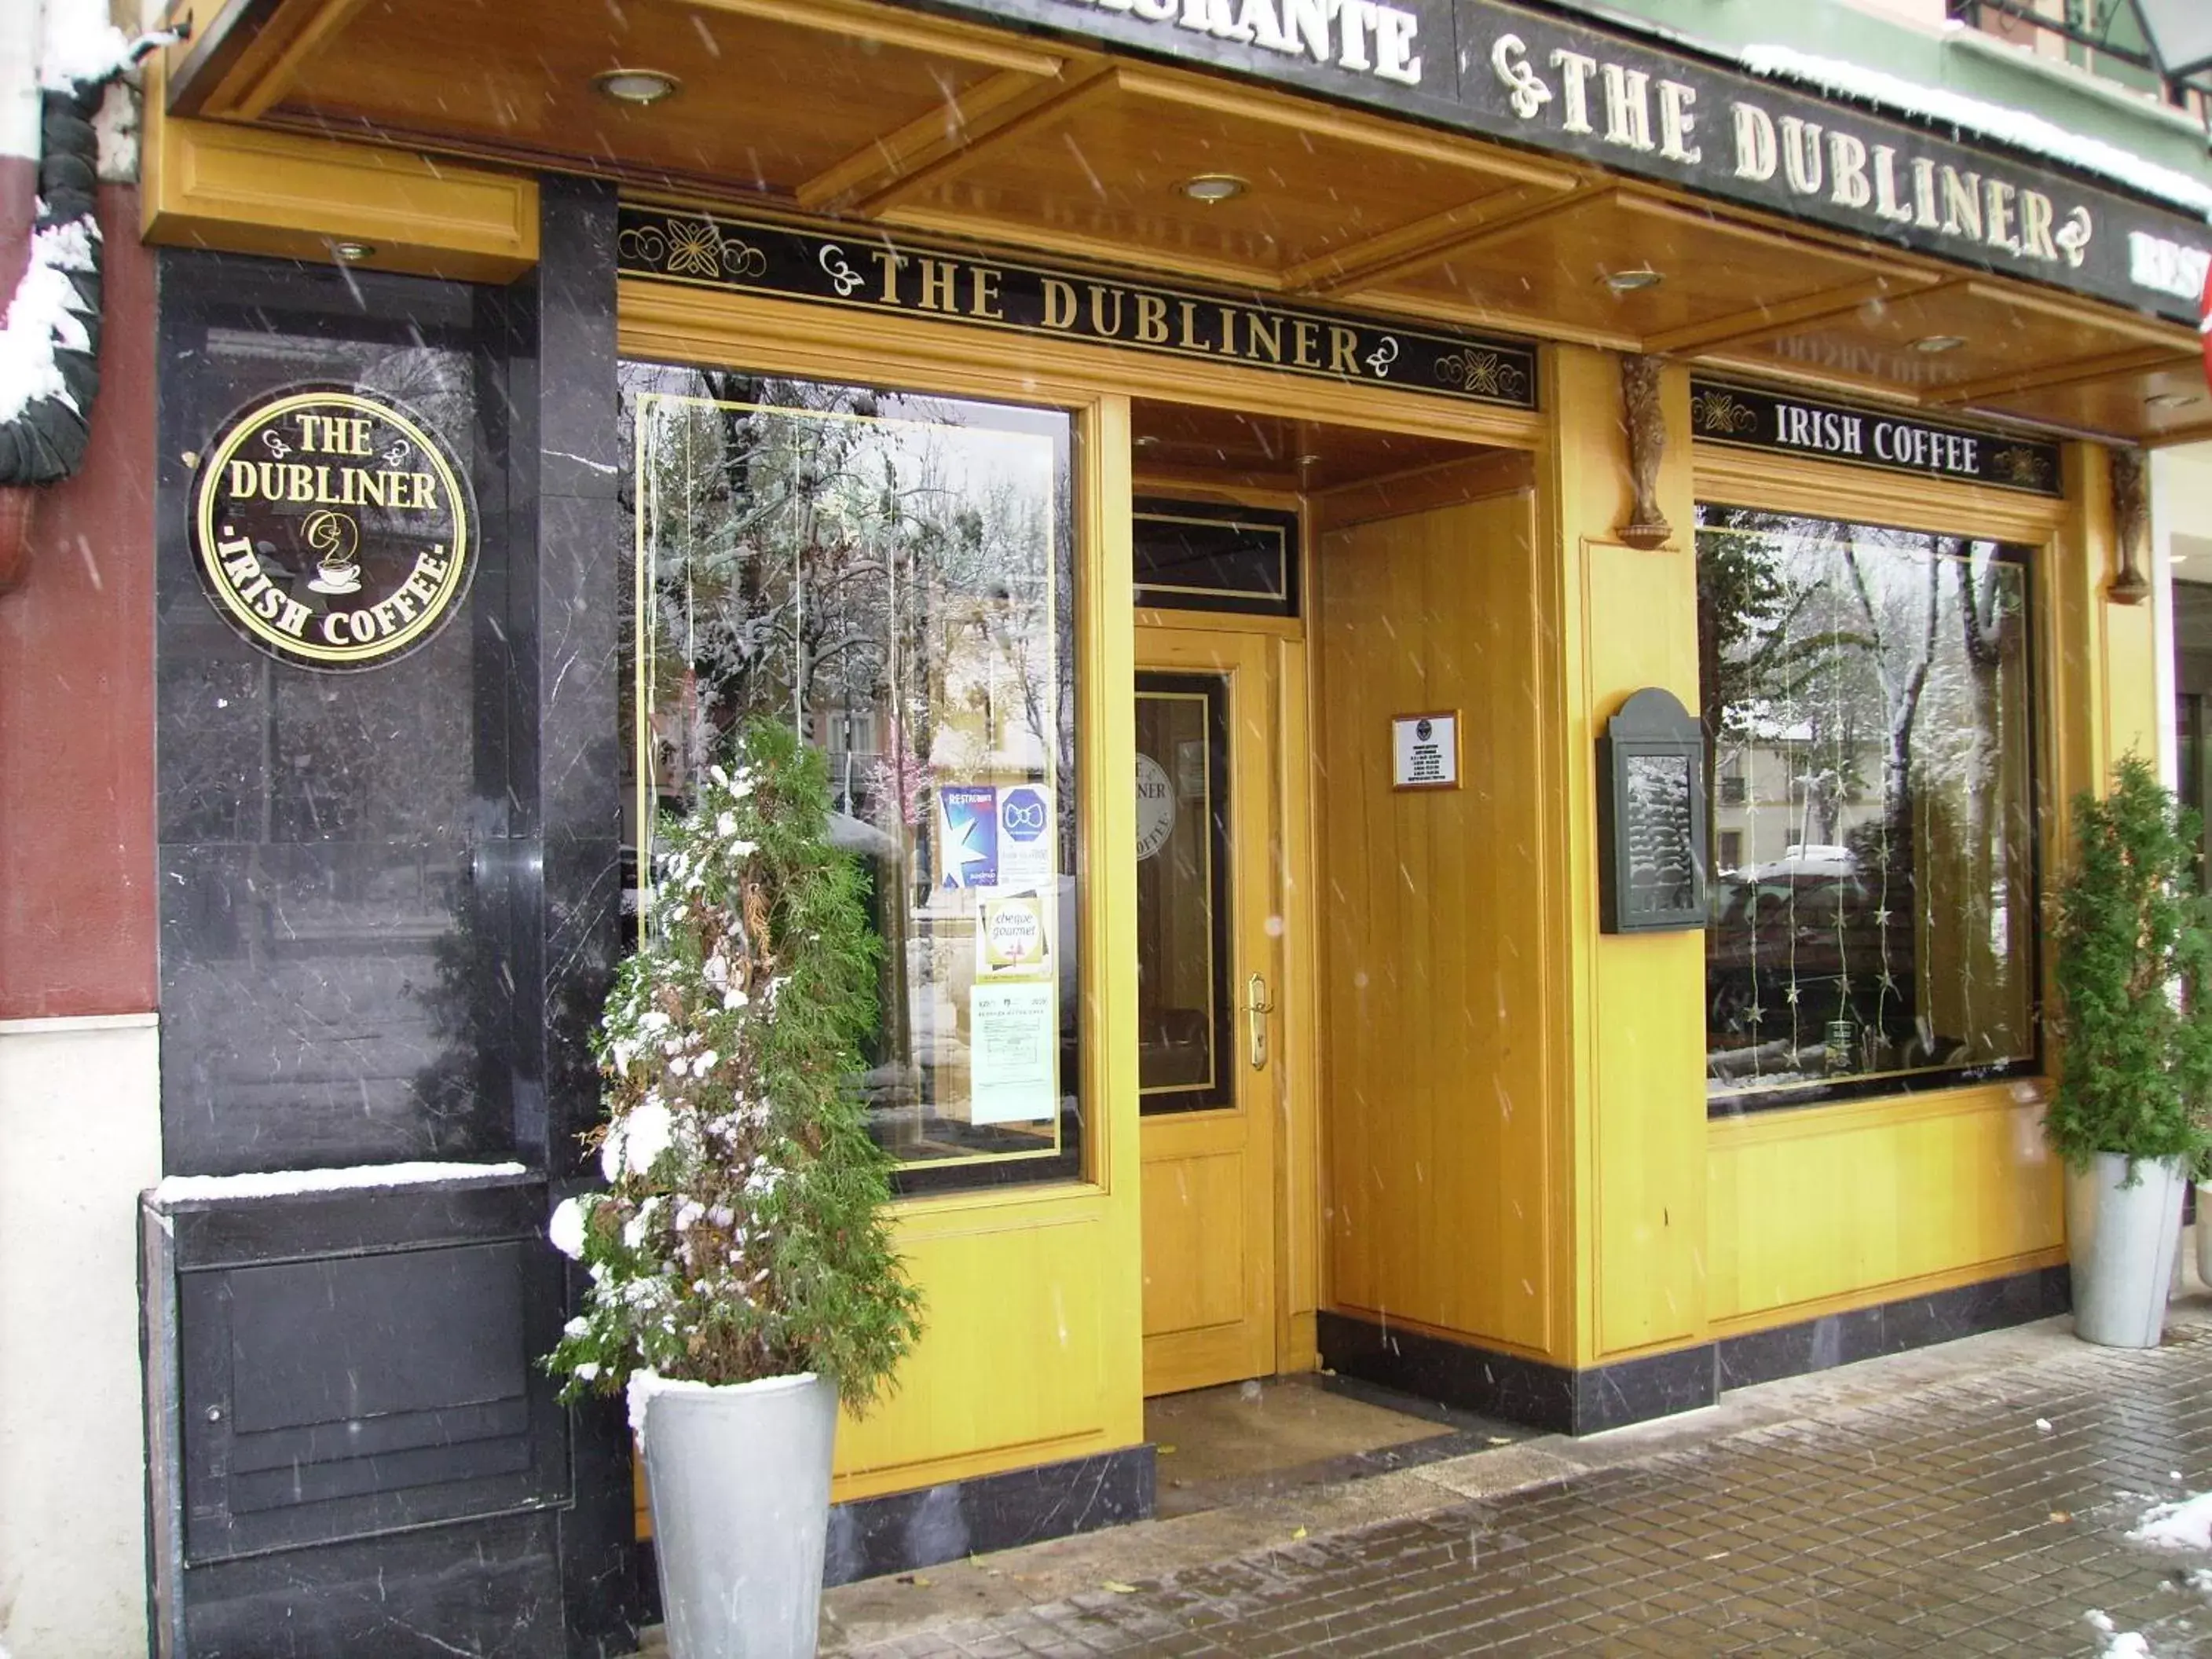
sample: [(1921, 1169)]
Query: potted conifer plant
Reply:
[(2135, 1050), (743, 1280)]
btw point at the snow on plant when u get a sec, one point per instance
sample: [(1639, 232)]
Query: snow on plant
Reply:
[(741, 1235)]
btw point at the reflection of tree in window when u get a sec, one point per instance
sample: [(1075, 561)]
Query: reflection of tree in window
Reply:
[(1878, 923), (890, 573)]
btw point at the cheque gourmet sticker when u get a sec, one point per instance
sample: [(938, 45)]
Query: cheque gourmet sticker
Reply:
[(332, 528)]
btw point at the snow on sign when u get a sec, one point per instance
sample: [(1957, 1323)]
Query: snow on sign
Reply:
[(332, 527), (1424, 751)]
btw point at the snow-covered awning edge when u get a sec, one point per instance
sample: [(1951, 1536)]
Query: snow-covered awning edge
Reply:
[(2017, 128), (50, 334)]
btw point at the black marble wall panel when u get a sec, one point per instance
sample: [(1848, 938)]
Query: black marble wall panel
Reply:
[(487, 1588), (391, 899), (335, 986), (559, 419)]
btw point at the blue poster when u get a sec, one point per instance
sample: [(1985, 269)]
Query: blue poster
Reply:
[(968, 824), (1025, 839)]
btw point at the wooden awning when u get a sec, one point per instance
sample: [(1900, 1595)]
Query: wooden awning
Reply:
[(1023, 140)]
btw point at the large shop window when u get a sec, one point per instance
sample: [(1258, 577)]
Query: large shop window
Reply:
[(894, 574), (1867, 693)]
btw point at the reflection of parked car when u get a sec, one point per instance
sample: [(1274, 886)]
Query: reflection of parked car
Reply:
[(1799, 940)]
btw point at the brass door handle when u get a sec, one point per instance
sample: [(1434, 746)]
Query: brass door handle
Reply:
[(1256, 1010)]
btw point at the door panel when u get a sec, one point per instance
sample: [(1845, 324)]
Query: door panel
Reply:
[(1208, 826), (1195, 1206)]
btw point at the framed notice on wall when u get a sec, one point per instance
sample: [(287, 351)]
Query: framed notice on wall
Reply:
[(1651, 816), (1424, 751)]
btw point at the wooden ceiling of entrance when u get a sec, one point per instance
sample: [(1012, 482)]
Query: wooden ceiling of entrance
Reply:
[(847, 107)]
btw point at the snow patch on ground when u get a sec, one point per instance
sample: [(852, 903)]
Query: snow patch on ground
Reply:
[(2118, 1644), (2012, 126), (280, 1184), (2184, 1526)]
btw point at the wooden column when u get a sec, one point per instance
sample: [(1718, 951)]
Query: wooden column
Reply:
[(1636, 1164)]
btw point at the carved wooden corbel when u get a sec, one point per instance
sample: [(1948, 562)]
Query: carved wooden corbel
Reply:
[(2130, 524), (1647, 527)]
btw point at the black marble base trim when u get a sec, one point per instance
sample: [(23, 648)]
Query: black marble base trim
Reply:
[(1566, 1402), (489, 1588), (902, 1531), (1915, 1321), (1530, 1391)]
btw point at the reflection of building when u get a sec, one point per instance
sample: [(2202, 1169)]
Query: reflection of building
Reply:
[(1436, 339), (1783, 788)]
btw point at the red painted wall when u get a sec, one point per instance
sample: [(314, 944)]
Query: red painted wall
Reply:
[(77, 914)]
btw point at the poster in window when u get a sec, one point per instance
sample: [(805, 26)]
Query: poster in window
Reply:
[(1011, 1048)]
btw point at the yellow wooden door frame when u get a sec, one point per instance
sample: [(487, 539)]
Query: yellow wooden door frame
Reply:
[(1212, 1186)]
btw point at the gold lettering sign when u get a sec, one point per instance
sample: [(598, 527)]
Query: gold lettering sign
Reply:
[(332, 528)]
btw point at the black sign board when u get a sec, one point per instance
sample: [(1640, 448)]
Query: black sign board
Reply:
[(1491, 69), (1868, 437), (1651, 816), (332, 527), (866, 271), (1202, 556)]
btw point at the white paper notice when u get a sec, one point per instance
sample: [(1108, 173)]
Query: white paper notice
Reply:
[(1011, 1052), (1424, 751)]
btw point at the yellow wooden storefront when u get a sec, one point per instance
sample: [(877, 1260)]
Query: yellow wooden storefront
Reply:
[(1503, 1140)]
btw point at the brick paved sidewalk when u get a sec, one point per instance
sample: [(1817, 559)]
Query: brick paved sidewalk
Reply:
[(1981, 1513)]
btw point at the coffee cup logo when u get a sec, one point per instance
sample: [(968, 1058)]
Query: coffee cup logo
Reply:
[(332, 527), (336, 538)]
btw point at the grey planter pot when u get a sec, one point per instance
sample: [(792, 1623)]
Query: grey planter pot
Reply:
[(740, 1481), (2205, 1233), (2121, 1242)]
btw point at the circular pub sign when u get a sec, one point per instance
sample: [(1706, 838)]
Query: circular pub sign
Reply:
[(1155, 807), (332, 527)]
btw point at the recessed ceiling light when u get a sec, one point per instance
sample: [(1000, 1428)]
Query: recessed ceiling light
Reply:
[(353, 252), (1309, 460), (1628, 282), (1933, 344), (1213, 188), (635, 86), (2173, 399)]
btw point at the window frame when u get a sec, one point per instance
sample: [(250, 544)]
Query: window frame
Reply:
[(748, 335), (1837, 491), (979, 1168)]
